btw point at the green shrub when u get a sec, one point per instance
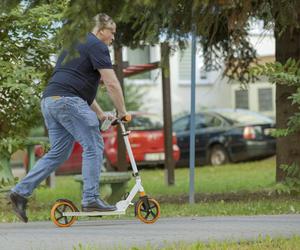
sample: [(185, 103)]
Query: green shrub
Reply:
[(26, 46), (291, 183)]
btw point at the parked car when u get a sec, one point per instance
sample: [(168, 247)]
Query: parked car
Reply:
[(225, 135), (146, 139)]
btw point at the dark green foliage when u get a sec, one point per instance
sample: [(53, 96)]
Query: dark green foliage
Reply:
[(287, 74), (19, 98), (25, 49), (291, 183), (8, 5), (221, 25)]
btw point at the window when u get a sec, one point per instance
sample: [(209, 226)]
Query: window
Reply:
[(139, 56), (265, 99), (207, 121), (185, 64), (181, 124), (145, 122), (200, 122), (241, 99), (245, 117), (212, 121), (203, 74)]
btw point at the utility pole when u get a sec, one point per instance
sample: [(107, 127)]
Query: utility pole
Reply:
[(192, 119), (167, 113)]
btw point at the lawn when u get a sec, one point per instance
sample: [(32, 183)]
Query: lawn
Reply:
[(251, 176), (223, 181)]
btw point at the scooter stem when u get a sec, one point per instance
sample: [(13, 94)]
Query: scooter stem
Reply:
[(129, 150)]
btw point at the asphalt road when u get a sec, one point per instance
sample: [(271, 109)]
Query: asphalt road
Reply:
[(122, 234)]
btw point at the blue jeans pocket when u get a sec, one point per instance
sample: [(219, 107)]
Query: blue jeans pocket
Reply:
[(84, 112)]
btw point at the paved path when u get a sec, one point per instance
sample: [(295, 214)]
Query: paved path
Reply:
[(125, 233)]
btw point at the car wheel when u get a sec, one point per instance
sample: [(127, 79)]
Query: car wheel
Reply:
[(218, 155)]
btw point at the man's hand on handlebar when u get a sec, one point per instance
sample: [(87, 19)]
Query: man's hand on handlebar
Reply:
[(123, 116), (112, 120), (107, 115), (126, 118)]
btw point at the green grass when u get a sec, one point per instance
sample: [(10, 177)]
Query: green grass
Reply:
[(254, 176), (251, 176), (278, 206), (266, 243)]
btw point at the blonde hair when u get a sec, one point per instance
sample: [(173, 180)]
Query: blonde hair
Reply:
[(102, 21)]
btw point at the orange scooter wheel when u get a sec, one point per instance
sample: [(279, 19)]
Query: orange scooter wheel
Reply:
[(149, 215), (57, 214)]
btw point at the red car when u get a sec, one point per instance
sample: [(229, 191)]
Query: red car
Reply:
[(146, 139)]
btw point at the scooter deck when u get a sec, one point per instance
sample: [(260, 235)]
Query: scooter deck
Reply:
[(94, 213)]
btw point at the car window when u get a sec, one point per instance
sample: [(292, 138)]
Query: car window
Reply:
[(200, 121), (145, 122), (181, 124), (245, 117), (212, 121)]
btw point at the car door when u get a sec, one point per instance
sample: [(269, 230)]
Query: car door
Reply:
[(215, 132), (180, 127), (215, 128), (200, 138)]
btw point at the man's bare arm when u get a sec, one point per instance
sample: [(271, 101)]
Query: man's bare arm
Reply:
[(114, 90), (97, 109)]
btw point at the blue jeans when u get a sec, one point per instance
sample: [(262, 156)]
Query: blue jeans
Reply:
[(68, 119)]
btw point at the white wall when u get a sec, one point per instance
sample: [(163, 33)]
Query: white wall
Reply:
[(214, 92)]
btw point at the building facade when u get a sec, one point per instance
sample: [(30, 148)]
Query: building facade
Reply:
[(212, 90)]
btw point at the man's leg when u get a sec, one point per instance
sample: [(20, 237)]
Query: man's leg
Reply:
[(61, 142), (84, 126), (58, 153), (61, 147)]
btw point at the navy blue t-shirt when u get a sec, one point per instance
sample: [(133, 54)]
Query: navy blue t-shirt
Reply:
[(80, 76)]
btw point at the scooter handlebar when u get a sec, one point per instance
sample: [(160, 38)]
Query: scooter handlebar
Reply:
[(126, 118)]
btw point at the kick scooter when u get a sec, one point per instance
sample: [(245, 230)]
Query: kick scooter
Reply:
[(64, 213)]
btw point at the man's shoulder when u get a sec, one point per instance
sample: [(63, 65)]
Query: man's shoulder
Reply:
[(93, 41)]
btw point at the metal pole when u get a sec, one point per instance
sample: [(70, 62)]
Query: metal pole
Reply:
[(192, 120), (121, 156)]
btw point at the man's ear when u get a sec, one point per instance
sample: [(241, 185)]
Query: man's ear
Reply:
[(99, 32)]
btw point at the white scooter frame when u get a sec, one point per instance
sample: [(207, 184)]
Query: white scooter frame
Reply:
[(143, 208)]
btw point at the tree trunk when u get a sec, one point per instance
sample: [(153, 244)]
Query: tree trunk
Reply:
[(166, 89), (288, 148), (6, 176)]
